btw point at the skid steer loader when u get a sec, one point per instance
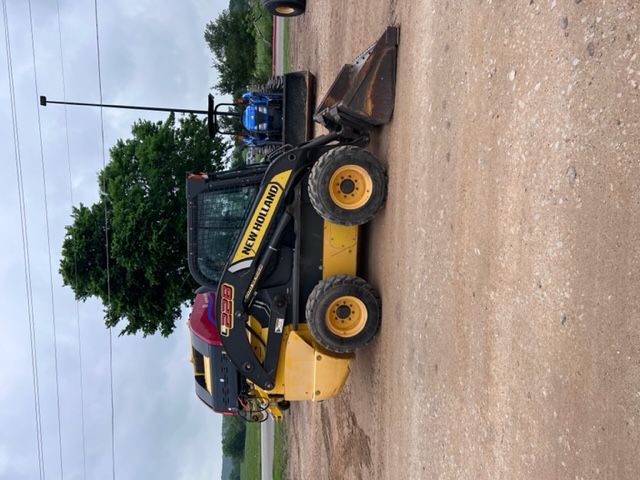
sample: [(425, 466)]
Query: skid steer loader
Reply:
[(275, 245)]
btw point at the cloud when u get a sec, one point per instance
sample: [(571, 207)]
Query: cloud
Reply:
[(151, 53), (4, 460)]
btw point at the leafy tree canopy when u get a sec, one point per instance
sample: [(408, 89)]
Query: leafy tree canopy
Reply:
[(234, 431), (144, 279), (231, 40)]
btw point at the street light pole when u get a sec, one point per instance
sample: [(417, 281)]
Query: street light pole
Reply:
[(212, 112), (44, 102)]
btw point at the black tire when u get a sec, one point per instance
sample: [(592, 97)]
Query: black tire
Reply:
[(284, 8), (348, 185), (275, 84), (284, 405), (343, 313)]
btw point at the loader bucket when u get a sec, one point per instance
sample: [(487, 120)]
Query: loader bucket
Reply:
[(363, 94)]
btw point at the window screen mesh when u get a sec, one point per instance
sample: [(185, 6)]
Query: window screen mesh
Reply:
[(221, 216)]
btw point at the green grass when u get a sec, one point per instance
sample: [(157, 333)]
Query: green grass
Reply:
[(250, 466), (279, 452), (263, 51)]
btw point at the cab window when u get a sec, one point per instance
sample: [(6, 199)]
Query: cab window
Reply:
[(221, 216)]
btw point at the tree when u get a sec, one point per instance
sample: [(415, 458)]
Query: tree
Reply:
[(144, 277), (231, 40), (235, 473), (234, 431)]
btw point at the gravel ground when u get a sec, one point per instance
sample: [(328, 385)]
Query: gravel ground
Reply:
[(507, 256)]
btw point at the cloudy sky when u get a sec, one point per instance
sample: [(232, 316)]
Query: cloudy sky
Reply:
[(152, 53)]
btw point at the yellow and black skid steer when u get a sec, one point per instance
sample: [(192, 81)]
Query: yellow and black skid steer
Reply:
[(276, 244)]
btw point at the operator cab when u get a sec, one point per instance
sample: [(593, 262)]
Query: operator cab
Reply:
[(217, 217), (221, 212)]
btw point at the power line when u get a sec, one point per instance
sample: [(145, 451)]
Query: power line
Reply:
[(106, 231), (75, 255), (48, 235), (25, 249)]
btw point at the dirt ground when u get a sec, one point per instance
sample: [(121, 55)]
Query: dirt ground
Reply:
[(507, 257)]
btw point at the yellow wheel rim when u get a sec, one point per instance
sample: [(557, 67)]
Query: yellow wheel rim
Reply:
[(285, 10), (350, 187), (346, 316)]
